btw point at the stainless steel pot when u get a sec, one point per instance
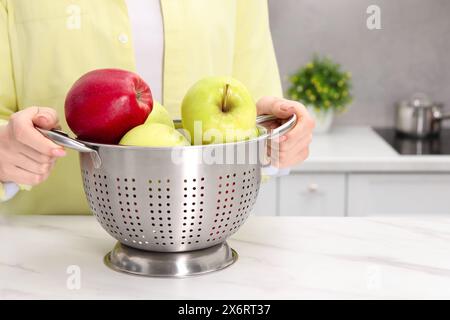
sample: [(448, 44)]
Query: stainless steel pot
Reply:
[(420, 117)]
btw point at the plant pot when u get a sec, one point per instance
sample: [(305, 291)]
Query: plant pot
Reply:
[(324, 119)]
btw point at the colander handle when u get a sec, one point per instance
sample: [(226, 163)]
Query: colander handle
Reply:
[(274, 133), (62, 139), (284, 128)]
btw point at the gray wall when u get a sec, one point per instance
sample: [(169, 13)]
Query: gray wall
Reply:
[(411, 53)]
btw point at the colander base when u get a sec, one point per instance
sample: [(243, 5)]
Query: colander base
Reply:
[(170, 264)]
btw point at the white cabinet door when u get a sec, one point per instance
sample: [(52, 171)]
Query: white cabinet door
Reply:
[(266, 204), (398, 194), (312, 195)]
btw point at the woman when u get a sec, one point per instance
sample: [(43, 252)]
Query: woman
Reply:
[(45, 45)]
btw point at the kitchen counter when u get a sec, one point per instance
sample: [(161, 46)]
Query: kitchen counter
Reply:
[(280, 258), (361, 149)]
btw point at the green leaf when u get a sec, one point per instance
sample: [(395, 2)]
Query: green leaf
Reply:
[(322, 84)]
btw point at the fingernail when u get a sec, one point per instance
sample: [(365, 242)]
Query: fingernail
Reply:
[(283, 138), (287, 109), (42, 118), (59, 152)]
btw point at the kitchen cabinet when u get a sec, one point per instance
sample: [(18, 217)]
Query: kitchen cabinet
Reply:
[(353, 171), (398, 194), (266, 204), (312, 195), (357, 194)]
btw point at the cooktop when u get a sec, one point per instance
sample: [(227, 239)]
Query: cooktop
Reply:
[(404, 145)]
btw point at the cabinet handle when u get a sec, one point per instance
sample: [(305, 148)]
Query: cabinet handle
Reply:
[(313, 188)]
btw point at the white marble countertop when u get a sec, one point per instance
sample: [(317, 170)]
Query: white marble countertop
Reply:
[(280, 258), (361, 149)]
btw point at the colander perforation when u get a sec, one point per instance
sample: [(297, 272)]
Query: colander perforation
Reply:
[(172, 212)]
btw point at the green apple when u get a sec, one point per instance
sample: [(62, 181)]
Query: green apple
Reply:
[(159, 114), (219, 110), (154, 135)]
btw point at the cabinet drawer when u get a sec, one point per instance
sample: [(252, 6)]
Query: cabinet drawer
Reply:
[(312, 195), (398, 194), (266, 204)]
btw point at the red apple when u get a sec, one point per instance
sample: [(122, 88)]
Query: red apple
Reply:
[(105, 104)]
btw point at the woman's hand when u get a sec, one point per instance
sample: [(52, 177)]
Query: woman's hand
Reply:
[(26, 156), (293, 147)]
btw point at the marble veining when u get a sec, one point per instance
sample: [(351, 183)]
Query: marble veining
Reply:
[(280, 258)]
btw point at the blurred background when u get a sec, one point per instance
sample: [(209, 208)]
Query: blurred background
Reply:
[(388, 153), (409, 54)]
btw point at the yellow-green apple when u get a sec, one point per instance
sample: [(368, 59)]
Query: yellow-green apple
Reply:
[(219, 110), (154, 135), (159, 114), (104, 104)]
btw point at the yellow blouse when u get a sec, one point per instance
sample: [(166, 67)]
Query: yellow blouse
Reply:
[(46, 45)]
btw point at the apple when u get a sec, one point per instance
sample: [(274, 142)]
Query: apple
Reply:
[(159, 114), (154, 135), (219, 110), (105, 104)]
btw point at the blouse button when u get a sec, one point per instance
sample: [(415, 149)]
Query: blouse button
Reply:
[(123, 38)]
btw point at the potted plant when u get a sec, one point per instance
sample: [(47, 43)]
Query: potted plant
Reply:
[(323, 88)]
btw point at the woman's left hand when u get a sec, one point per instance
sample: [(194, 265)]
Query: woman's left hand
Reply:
[(293, 147)]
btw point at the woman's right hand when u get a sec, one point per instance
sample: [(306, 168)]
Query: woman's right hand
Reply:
[(26, 156)]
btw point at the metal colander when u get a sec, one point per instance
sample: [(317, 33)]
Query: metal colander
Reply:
[(172, 199)]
